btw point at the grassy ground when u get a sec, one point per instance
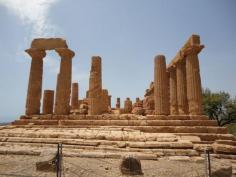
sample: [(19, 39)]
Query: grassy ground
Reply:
[(232, 128)]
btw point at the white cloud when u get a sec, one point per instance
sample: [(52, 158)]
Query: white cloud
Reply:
[(33, 13)]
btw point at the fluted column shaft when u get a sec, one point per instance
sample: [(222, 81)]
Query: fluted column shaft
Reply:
[(34, 92), (75, 96), (95, 87), (105, 101), (48, 100), (63, 89), (181, 88), (109, 101), (194, 89), (173, 91), (160, 86), (168, 92)]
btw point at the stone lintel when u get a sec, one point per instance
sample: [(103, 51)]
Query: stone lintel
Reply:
[(194, 40), (48, 43)]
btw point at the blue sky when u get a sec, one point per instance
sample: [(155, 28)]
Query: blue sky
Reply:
[(127, 34)]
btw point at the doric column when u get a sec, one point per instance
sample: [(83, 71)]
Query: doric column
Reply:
[(35, 81), (168, 92), (48, 100), (117, 103), (160, 86), (194, 89), (109, 100), (173, 91), (95, 87), (181, 87), (105, 100), (127, 106), (75, 96), (63, 89)]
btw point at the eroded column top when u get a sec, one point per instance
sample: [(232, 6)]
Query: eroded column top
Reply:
[(65, 52), (36, 53), (159, 58), (194, 49)]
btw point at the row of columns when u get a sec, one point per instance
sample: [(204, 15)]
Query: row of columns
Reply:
[(178, 89), (63, 88)]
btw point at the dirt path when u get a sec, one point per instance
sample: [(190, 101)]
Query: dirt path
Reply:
[(24, 166)]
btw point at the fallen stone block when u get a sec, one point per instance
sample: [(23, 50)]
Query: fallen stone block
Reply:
[(179, 158), (221, 169), (47, 162), (130, 166)]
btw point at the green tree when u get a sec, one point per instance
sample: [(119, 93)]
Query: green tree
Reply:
[(219, 106)]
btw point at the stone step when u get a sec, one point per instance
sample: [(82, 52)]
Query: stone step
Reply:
[(116, 117), (35, 122), (139, 122), (117, 122), (209, 137), (151, 129), (82, 142), (226, 142), (224, 148), (179, 129), (16, 148)]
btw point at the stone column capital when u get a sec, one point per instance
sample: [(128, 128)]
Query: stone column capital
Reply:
[(65, 52), (36, 53), (194, 49)]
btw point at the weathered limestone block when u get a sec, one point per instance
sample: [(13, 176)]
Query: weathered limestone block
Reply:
[(221, 168), (224, 148), (160, 86), (194, 88), (48, 100), (83, 108), (138, 111), (150, 90), (48, 43), (47, 162), (127, 105), (75, 96), (181, 88), (63, 89), (35, 81), (173, 91), (148, 104), (138, 107)]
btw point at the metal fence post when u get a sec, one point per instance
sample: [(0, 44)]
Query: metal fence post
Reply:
[(58, 159), (209, 163)]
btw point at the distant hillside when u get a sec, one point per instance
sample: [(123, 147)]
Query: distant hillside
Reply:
[(4, 123)]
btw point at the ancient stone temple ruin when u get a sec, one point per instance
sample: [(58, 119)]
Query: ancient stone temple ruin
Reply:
[(167, 121), (176, 89)]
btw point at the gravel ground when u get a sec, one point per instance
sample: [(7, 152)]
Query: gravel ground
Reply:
[(24, 166)]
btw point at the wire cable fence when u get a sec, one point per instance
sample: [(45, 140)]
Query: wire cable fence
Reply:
[(67, 166)]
